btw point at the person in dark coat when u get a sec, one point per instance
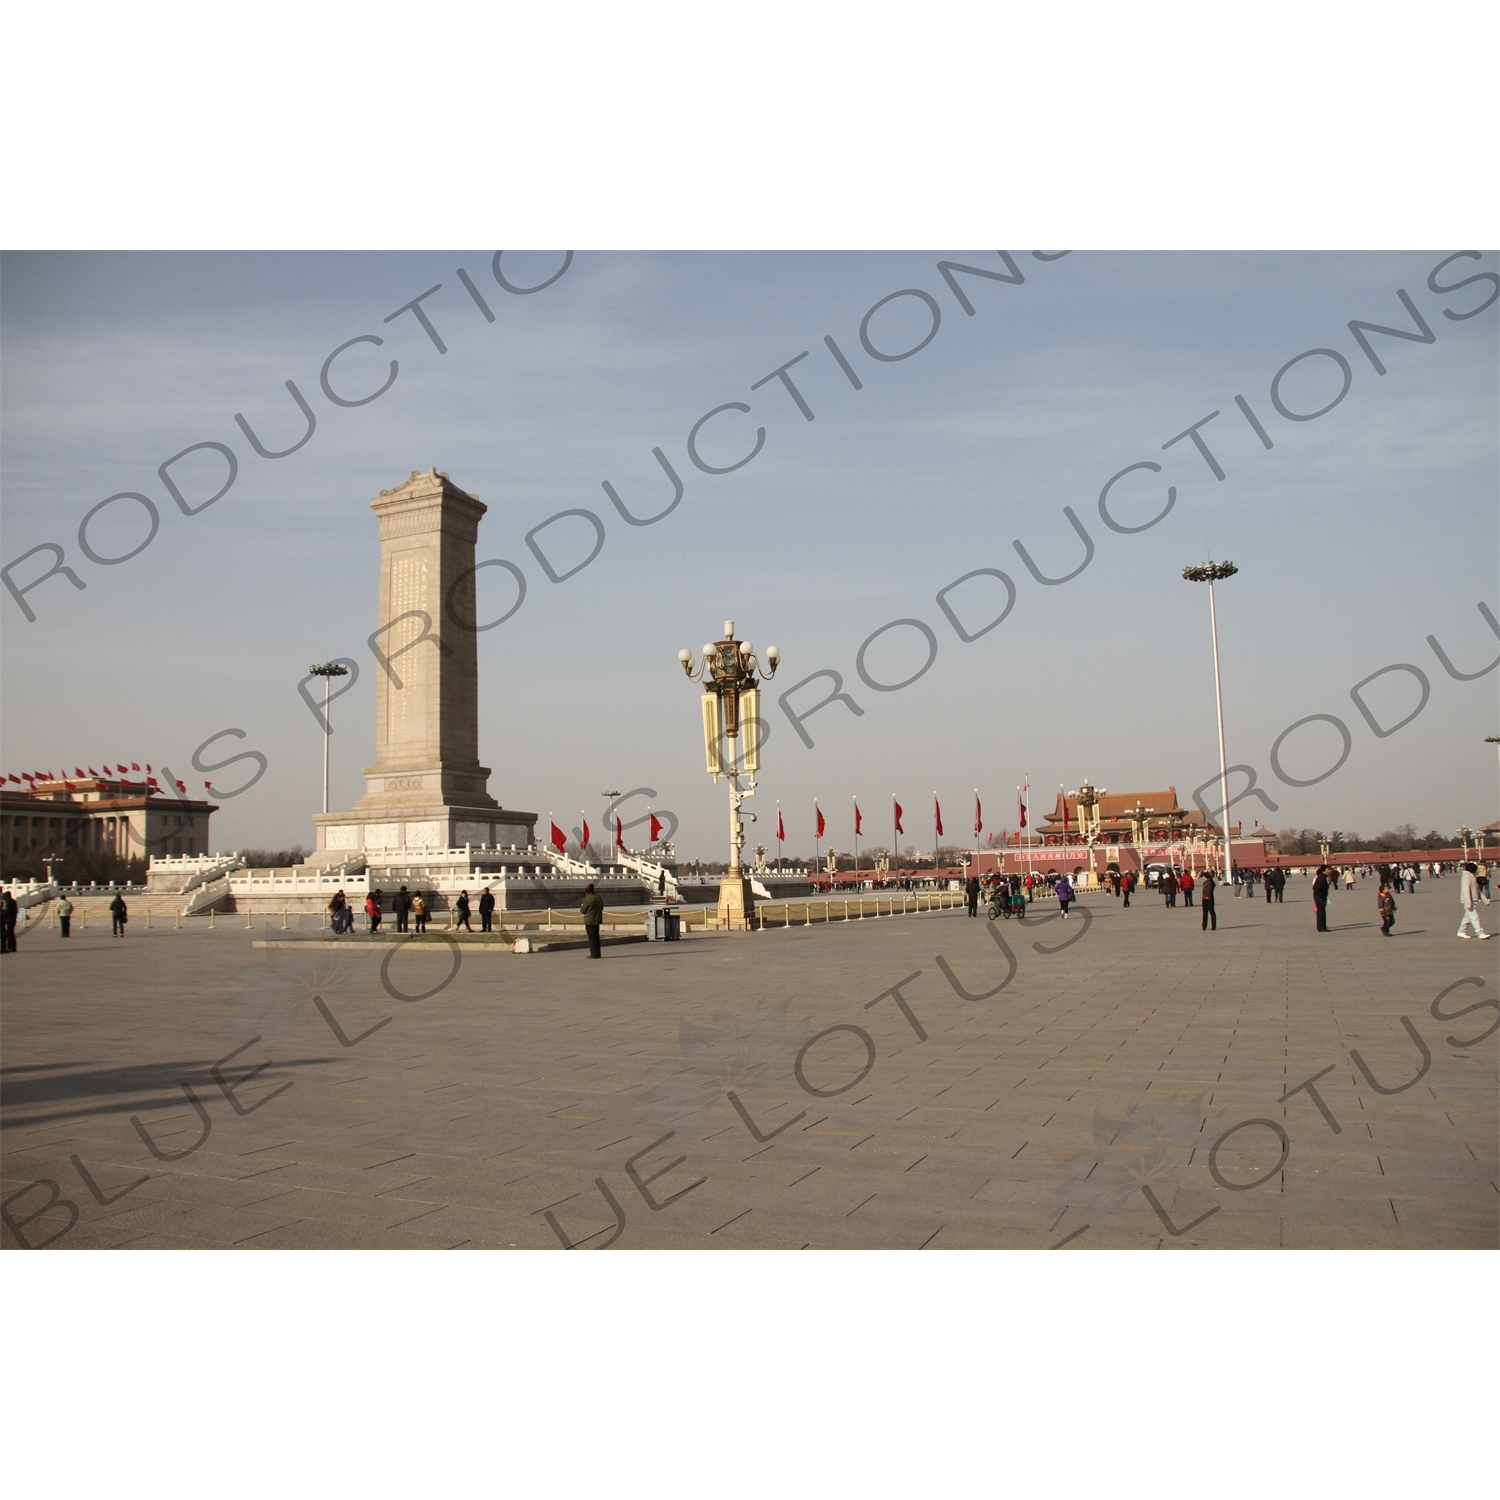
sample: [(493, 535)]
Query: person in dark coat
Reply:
[(592, 908), (9, 911), (461, 912), (1386, 904), (401, 905), (1320, 897), (118, 916), (486, 909), (972, 889), (1206, 901)]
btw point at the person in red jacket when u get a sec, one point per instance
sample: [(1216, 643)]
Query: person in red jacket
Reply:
[(1187, 887)]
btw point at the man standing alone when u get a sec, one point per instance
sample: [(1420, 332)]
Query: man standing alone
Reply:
[(65, 916), (486, 909), (401, 904), (1320, 897), (1468, 898), (1206, 900), (592, 907), (972, 888), (118, 916), (9, 911)]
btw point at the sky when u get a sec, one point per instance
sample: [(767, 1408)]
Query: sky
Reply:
[(1358, 534)]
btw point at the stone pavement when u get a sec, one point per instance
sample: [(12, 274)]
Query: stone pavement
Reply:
[(1115, 1080)]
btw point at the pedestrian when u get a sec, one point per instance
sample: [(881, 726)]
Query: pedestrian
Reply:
[(65, 916), (9, 911), (1280, 885), (486, 909), (661, 882), (1320, 897), (1187, 887), (1482, 880), (419, 912), (118, 916), (972, 888), (461, 912), (592, 908), (1269, 882), (372, 910), (401, 905), (1206, 900), (1064, 895), (336, 912), (1468, 899), (1385, 903), (1127, 884), (1169, 887)]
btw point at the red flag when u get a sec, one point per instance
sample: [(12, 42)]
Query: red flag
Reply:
[(585, 833), (181, 787), (94, 773), (1021, 806), (655, 828), (859, 822), (121, 770), (70, 786), (151, 781), (780, 828), (899, 828), (619, 833), (78, 773), (559, 839), (208, 786), (937, 815), (822, 822), (16, 779), (1065, 818), (134, 766), (148, 767), (978, 816)]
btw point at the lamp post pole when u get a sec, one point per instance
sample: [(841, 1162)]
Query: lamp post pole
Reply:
[(731, 699), (1207, 573), (328, 671)]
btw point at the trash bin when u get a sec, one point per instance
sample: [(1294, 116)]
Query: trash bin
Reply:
[(663, 925)]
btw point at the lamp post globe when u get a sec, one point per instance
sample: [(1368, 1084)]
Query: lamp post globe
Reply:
[(730, 671)]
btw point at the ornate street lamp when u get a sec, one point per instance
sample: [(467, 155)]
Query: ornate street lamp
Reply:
[(1466, 833), (731, 713), (328, 671), (1209, 573)]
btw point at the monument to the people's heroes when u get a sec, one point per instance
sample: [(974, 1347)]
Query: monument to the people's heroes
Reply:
[(426, 790)]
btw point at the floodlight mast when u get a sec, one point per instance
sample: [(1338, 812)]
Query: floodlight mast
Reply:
[(327, 671), (1208, 573)]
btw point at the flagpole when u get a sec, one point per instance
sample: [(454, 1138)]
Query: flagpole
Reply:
[(778, 834), (817, 843), (856, 841)]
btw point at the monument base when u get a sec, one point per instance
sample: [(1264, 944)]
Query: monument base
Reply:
[(736, 903)]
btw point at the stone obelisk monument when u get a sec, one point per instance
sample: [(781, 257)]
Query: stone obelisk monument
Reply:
[(426, 790)]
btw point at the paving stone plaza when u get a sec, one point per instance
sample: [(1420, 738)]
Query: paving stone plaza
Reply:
[(1119, 1080)]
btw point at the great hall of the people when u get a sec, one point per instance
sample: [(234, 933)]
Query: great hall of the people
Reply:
[(93, 814)]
